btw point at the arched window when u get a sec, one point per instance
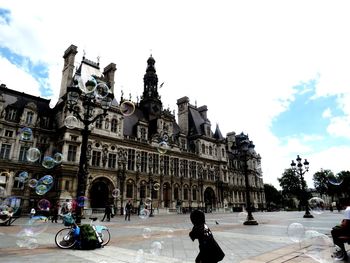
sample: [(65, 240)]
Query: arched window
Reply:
[(98, 123), (210, 150), (203, 148), (29, 117), (223, 152), (194, 194), (129, 189)]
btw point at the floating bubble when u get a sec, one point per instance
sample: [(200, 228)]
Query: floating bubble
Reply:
[(127, 108), (71, 122), (23, 176), (33, 154), (335, 181), (162, 147), (317, 205), (44, 204), (156, 187), (48, 162), (318, 247), (102, 90), (81, 200), (296, 232), (147, 232), (58, 158), (87, 83), (27, 242), (115, 192), (242, 217), (156, 248), (32, 183), (148, 201), (12, 203), (144, 213), (41, 189), (165, 138), (34, 227), (46, 179), (26, 134)]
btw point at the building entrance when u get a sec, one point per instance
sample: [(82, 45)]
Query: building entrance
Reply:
[(99, 194), (209, 199)]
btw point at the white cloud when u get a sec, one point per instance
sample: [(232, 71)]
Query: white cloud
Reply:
[(327, 113), (16, 78), (339, 127)]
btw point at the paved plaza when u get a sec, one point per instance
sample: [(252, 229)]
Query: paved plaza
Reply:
[(164, 238)]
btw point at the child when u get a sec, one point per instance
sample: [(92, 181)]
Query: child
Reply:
[(209, 250)]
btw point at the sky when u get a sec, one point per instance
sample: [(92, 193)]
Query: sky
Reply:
[(278, 71)]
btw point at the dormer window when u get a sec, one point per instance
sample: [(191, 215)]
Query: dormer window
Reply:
[(11, 114), (29, 117)]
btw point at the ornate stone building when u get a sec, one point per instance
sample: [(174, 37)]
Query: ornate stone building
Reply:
[(146, 154)]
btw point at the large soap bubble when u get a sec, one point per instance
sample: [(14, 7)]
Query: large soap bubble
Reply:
[(71, 122), (296, 232), (48, 162), (26, 134), (33, 154), (317, 205)]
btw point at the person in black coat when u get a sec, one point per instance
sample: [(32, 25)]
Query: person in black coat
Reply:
[(209, 250), (128, 209), (108, 212)]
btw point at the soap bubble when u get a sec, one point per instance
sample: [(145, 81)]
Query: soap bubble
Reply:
[(144, 213), (156, 248), (58, 158), (71, 122), (23, 176), (127, 108), (33, 154), (41, 189), (81, 200), (335, 181), (296, 232), (242, 217), (32, 183), (102, 90), (148, 201), (162, 147), (44, 204), (140, 256), (46, 179), (48, 162), (26, 134), (317, 205), (115, 192), (156, 187), (147, 232)]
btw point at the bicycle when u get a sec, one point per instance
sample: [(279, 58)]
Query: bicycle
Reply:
[(68, 236)]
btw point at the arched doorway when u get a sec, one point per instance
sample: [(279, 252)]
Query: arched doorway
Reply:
[(166, 194), (99, 194), (209, 199)]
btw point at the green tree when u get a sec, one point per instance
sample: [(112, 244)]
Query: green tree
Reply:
[(344, 187), (273, 197), (290, 183), (322, 182)]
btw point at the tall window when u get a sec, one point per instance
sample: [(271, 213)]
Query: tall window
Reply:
[(166, 165), (72, 153), (203, 148), (5, 151), (131, 159), (23, 154), (176, 193), (210, 150), (176, 167), (143, 191), (11, 114), (185, 168), (8, 133), (193, 170), (112, 160), (129, 190), (186, 193), (98, 123), (143, 162), (44, 122), (155, 163), (29, 118), (194, 194), (96, 158), (114, 125)]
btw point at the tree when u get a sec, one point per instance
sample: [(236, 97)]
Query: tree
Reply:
[(273, 197), (290, 183), (322, 182)]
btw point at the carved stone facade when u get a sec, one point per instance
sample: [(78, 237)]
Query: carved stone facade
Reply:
[(189, 164)]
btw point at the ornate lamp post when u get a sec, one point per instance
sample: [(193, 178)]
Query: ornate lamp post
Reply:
[(90, 101), (300, 169), (244, 150), (122, 177)]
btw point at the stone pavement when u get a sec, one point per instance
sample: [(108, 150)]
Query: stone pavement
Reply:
[(164, 238)]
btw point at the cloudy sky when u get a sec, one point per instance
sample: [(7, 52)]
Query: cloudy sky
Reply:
[(276, 70)]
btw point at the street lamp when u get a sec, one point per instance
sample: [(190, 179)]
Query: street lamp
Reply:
[(244, 150), (122, 177), (97, 95), (300, 169)]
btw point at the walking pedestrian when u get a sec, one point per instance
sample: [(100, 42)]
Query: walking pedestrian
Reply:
[(54, 215), (209, 250), (128, 209), (108, 212)]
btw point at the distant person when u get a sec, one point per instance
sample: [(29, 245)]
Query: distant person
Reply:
[(209, 250), (342, 230), (54, 213), (32, 212), (128, 209), (108, 212)]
